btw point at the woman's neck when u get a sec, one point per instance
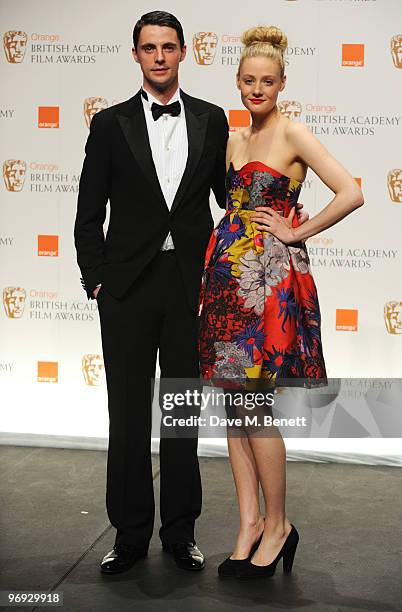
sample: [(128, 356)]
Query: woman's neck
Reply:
[(266, 121)]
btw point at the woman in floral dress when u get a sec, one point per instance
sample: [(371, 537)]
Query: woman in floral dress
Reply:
[(259, 314)]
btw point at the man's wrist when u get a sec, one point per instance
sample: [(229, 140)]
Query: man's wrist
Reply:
[(95, 291)]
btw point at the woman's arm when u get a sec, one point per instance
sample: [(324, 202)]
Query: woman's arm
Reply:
[(348, 195)]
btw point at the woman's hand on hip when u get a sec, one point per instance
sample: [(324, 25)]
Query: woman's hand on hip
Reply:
[(270, 221)]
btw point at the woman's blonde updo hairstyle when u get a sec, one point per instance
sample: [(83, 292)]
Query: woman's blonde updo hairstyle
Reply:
[(268, 41)]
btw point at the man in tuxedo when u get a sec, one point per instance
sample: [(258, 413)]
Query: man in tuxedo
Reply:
[(155, 157)]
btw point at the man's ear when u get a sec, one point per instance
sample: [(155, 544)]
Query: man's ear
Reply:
[(135, 56), (183, 52)]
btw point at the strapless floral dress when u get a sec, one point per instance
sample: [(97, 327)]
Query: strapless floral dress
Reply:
[(259, 316)]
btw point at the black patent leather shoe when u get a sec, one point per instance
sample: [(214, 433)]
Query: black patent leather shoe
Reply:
[(186, 554), (121, 559)]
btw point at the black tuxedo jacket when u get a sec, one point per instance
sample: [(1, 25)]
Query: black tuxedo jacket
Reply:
[(118, 167)]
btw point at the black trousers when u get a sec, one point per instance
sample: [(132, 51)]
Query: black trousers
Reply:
[(153, 315)]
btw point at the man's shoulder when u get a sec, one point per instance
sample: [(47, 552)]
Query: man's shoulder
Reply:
[(106, 115), (200, 104)]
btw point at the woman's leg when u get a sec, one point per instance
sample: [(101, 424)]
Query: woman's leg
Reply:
[(270, 458), (244, 471)]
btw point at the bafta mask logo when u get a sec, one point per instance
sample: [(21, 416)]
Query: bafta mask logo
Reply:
[(93, 369), (15, 43), (14, 171), (396, 50), (394, 180), (204, 47), (291, 109), (14, 301), (393, 317), (93, 106)]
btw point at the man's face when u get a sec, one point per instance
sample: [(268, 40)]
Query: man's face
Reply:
[(159, 55)]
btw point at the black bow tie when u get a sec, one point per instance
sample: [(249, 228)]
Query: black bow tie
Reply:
[(160, 109)]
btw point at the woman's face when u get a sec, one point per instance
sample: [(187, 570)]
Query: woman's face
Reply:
[(260, 82)]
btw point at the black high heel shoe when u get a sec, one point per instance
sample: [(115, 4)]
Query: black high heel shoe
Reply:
[(249, 570), (228, 568)]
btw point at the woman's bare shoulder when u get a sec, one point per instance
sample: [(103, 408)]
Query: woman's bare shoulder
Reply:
[(239, 135), (295, 130), (236, 139)]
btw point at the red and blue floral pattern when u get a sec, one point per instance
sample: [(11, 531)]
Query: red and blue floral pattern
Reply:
[(259, 316)]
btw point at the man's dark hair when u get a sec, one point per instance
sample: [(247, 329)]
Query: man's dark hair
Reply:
[(160, 18)]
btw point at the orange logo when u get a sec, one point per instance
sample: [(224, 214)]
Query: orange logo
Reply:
[(238, 119), (346, 320), (15, 43), (14, 171), (48, 246), (394, 181), (48, 371), (14, 301), (393, 317), (353, 55), (48, 116), (396, 50), (93, 106), (204, 47)]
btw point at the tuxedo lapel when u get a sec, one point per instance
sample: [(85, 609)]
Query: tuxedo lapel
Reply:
[(196, 129), (134, 128), (135, 131)]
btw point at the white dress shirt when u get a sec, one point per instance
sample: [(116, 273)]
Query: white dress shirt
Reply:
[(169, 146)]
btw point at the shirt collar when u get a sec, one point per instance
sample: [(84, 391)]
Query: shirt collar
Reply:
[(151, 99)]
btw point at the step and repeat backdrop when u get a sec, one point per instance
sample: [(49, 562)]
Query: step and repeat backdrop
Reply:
[(62, 63)]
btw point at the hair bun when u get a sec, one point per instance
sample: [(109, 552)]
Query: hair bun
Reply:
[(265, 34)]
